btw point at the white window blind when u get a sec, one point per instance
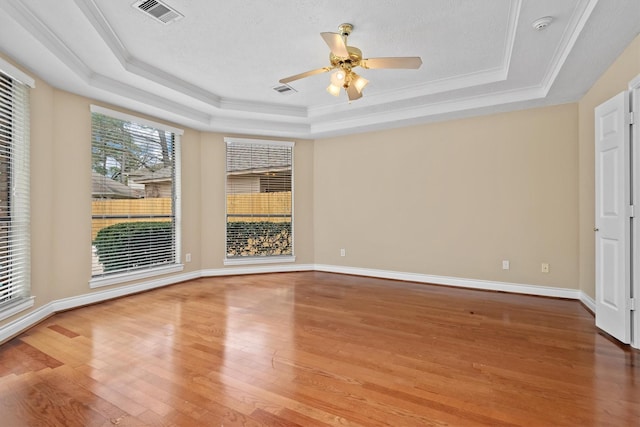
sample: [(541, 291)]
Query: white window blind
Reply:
[(259, 214), (14, 193), (135, 195)]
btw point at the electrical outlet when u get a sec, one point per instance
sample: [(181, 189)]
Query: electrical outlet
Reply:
[(187, 257), (505, 264), (343, 252), (545, 267)]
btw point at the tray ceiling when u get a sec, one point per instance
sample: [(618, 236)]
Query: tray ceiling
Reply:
[(215, 68)]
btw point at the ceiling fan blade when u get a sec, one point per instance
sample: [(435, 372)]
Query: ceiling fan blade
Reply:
[(305, 74), (412, 62), (353, 93), (336, 44)]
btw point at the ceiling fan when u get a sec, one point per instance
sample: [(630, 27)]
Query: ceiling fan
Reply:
[(345, 58)]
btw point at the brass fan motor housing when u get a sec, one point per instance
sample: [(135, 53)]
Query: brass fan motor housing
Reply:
[(355, 56)]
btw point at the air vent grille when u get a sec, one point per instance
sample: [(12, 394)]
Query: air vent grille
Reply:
[(284, 89), (158, 10)]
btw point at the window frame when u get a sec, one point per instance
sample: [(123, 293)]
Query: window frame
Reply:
[(21, 162), (176, 266), (270, 259)]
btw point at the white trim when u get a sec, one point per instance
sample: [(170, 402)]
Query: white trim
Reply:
[(135, 119), (17, 307), (516, 288), (232, 141), (259, 260), (588, 302), (16, 73), (256, 270), (577, 24), (23, 323), (115, 279)]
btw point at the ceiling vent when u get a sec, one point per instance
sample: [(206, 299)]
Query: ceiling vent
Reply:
[(284, 89), (158, 10)]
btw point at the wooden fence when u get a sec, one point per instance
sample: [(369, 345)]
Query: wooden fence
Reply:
[(268, 207), (115, 211)]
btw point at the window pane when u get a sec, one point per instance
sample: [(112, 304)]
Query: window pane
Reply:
[(259, 195), (133, 196), (14, 191)]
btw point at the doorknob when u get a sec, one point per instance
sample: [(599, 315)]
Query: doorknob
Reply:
[(596, 229)]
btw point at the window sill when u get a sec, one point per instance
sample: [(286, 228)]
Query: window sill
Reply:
[(259, 260), (128, 277), (16, 307)]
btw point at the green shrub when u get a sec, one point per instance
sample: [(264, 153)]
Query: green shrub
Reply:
[(258, 238), (153, 243)]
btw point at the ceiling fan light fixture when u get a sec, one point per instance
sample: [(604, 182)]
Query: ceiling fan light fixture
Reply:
[(338, 78), (359, 82), (333, 90)]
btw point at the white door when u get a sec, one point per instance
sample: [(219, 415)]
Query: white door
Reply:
[(613, 277)]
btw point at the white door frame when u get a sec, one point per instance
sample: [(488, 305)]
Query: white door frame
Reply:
[(634, 93)]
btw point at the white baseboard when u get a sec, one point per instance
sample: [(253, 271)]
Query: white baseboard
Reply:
[(256, 269), (588, 302), (515, 288), (20, 324)]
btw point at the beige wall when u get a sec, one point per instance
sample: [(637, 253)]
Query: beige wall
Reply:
[(612, 82), (454, 198)]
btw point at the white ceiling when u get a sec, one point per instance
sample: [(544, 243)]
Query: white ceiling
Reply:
[(215, 68)]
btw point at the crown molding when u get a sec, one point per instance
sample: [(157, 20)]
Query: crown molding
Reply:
[(399, 113), (577, 22), (142, 69), (149, 72), (414, 92), (263, 108), (107, 84), (133, 65), (261, 127), (510, 35), (26, 18), (240, 116), (30, 22)]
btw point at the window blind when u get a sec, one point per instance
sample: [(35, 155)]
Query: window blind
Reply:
[(14, 192), (259, 188), (134, 195)]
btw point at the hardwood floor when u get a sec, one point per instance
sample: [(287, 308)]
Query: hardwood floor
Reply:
[(318, 349)]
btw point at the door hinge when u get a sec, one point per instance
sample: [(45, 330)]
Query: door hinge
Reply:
[(632, 304), (631, 115), (632, 211)]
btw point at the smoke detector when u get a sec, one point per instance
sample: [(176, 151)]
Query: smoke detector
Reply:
[(542, 23)]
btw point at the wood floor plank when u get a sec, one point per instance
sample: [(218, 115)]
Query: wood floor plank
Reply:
[(319, 349)]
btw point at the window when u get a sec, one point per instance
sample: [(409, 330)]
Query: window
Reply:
[(259, 201), (135, 208), (15, 256)]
